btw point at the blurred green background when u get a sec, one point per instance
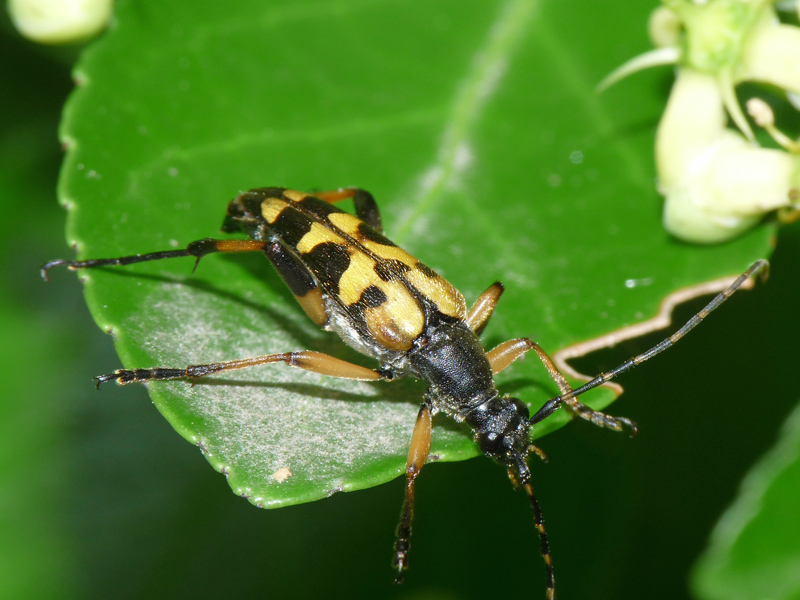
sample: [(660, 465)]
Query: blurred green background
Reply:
[(101, 499)]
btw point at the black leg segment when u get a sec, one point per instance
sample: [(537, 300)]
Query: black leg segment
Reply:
[(198, 249)]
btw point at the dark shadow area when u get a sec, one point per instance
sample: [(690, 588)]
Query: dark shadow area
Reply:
[(707, 409)]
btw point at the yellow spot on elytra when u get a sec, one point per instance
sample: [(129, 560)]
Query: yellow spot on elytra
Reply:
[(390, 252), (438, 290), (294, 195), (360, 274), (271, 208), (346, 222), (396, 323), (318, 234)]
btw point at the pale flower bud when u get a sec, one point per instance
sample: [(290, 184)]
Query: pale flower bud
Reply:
[(59, 21), (716, 184)]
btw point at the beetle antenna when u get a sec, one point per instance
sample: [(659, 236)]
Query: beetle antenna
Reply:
[(525, 481), (759, 266)]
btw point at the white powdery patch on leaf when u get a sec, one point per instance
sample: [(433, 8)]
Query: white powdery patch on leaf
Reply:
[(253, 422)]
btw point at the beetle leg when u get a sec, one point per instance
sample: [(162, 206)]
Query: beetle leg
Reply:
[(480, 313), (500, 357), (308, 360), (578, 408), (503, 355), (417, 455), (198, 249), (363, 202)]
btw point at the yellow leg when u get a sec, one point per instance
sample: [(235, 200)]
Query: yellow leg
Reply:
[(307, 359), (482, 310), (417, 455)]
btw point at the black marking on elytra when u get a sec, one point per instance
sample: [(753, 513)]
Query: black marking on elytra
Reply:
[(391, 269), (433, 316), (244, 212), (368, 233), (426, 270), (291, 225), (372, 297), (328, 261), (291, 269), (318, 208), (262, 193), (250, 202)]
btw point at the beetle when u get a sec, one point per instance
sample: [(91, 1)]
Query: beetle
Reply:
[(352, 280)]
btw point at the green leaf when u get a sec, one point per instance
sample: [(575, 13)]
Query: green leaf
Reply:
[(754, 551), (476, 127)]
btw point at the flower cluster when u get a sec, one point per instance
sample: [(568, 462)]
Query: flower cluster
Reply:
[(718, 181)]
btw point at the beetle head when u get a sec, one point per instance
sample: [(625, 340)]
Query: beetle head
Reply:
[(502, 431)]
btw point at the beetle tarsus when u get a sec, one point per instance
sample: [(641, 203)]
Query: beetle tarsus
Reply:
[(101, 379), (49, 265)]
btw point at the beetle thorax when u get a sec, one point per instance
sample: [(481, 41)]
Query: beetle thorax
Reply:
[(453, 362)]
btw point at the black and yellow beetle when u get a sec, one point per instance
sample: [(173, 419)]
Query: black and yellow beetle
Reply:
[(383, 302)]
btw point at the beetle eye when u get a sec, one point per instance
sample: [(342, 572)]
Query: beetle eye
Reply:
[(522, 408)]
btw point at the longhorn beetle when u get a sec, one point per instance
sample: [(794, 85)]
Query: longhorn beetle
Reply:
[(350, 279)]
